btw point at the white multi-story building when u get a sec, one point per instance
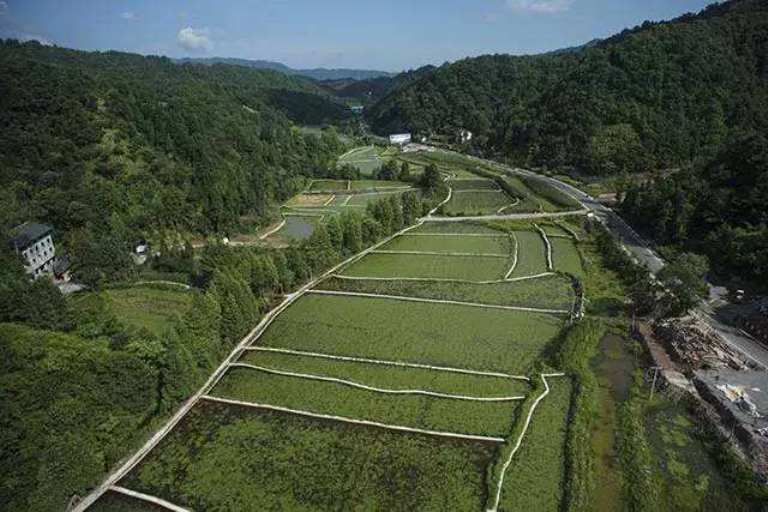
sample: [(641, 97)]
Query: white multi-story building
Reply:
[(35, 243), (400, 138)]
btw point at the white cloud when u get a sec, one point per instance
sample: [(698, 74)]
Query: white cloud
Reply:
[(129, 16), (3, 7), (540, 6), (195, 39)]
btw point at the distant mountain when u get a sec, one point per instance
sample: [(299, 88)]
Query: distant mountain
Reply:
[(315, 73)]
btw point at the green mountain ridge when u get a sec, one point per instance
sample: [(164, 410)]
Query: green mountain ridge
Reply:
[(669, 91)]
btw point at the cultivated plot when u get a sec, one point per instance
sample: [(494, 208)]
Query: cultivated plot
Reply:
[(531, 254), (365, 159), (473, 417), (536, 477), (447, 244), (224, 457), (330, 185), (454, 227), (429, 333), (550, 292), (473, 184), (566, 256), (477, 202), (429, 267)]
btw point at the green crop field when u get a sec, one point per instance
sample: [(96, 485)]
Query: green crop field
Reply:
[(231, 458), (472, 184), (149, 308), (551, 292), (390, 377), (447, 244), (456, 227), (554, 230), (536, 477), (443, 414), (428, 266), (531, 254), (376, 185), (333, 185), (565, 256), (363, 199), (477, 203), (365, 159), (449, 335)]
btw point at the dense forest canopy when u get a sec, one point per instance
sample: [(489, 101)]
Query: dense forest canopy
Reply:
[(657, 96), (144, 143)]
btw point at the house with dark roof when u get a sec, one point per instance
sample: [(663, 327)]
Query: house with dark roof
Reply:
[(35, 243)]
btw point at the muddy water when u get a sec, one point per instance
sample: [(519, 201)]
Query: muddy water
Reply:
[(613, 368)]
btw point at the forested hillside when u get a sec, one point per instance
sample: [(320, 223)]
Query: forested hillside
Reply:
[(658, 96), (96, 141)]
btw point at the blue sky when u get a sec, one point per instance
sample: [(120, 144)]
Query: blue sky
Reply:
[(390, 35)]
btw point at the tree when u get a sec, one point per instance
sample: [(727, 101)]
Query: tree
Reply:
[(430, 180), (684, 282), (405, 172), (411, 207)]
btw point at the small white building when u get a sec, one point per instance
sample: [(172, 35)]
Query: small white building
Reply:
[(35, 243), (464, 136), (400, 138)]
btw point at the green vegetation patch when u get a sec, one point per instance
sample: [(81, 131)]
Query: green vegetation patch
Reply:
[(429, 266), (318, 185), (565, 256), (456, 227), (150, 308), (443, 414), (550, 292), (390, 377), (473, 184), (365, 159), (116, 502), (379, 185), (456, 244), (531, 254), (231, 458), (477, 203), (364, 199), (439, 334), (536, 477)]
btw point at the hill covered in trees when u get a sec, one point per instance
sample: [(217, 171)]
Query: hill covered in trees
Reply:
[(659, 95), (100, 141), (313, 73)]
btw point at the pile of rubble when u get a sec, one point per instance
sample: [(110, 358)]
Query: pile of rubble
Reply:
[(695, 346)]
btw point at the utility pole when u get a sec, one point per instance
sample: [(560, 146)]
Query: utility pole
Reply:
[(653, 385)]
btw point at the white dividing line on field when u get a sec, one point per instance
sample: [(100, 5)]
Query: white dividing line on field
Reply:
[(511, 205), (469, 437), (355, 150), (349, 185), (440, 301), (519, 441), (434, 253), (148, 498), (514, 256), (570, 230), (273, 230), (443, 279), (548, 245), (381, 362), (473, 190), (302, 214), (347, 200), (443, 202), (388, 391), (330, 200)]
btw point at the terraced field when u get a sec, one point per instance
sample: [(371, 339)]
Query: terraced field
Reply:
[(401, 382)]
